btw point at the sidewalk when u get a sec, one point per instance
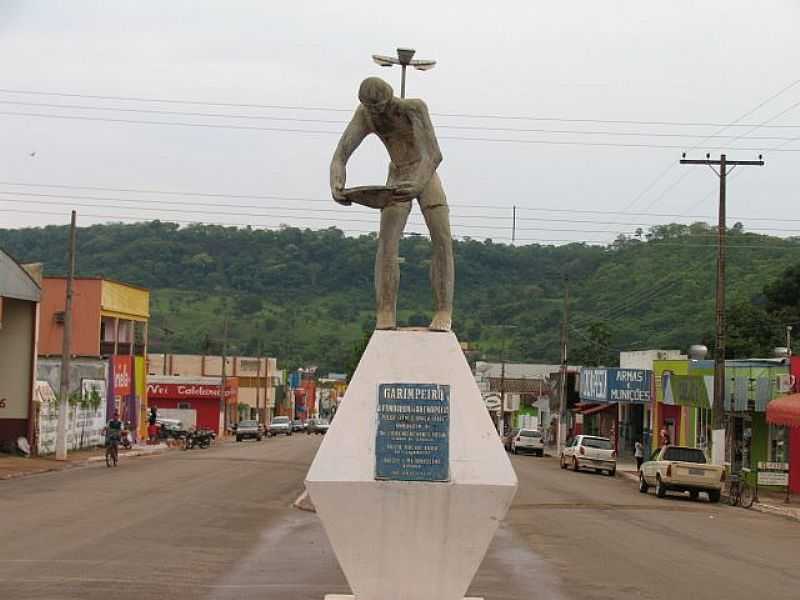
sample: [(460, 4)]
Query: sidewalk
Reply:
[(774, 503), (12, 467), (768, 501)]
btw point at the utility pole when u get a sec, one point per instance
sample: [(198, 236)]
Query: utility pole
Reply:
[(514, 225), (501, 412), (66, 349), (258, 386), (223, 381), (718, 409), (562, 396)]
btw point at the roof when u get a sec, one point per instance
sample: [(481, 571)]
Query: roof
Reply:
[(101, 278), (518, 370), (15, 281), (188, 379)]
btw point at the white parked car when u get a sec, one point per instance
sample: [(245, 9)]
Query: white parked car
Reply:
[(591, 452), (528, 440)]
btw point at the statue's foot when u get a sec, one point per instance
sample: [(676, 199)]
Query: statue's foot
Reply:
[(386, 321), (442, 321)]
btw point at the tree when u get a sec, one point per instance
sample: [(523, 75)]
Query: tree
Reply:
[(751, 331), (592, 348)]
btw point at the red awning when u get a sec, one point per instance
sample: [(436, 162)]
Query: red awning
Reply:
[(784, 411), (590, 410)]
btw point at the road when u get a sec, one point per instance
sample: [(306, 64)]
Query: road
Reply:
[(219, 524)]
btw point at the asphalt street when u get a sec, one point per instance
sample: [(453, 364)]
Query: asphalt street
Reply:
[(218, 523)]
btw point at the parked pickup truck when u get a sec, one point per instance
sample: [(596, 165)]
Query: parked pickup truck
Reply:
[(680, 469), (592, 452)]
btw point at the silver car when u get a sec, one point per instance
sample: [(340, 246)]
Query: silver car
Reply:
[(280, 425)]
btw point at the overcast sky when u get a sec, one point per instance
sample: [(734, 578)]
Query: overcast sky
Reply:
[(579, 63)]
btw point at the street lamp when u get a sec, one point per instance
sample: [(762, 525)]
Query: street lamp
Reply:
[(404, 59)]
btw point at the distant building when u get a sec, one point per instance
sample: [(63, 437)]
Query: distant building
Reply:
[(527, 388), (256, 377), (20, 293), (194, 399)]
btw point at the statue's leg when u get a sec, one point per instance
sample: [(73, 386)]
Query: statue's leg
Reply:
[(437, 217), (387, 271)]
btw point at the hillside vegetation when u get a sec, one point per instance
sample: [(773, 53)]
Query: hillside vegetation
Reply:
[(306, 296)]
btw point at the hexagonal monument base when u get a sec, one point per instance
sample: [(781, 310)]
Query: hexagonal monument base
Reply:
[(411, 480), (350, 597)]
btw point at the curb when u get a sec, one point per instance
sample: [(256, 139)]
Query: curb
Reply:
[(771, 509), (131, 454), (90, 460)]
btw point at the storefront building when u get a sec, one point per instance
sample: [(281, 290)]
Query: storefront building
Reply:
[(612, 404), (199, 396), (109, 327), (20, 294), (257, 378), (684, 396)]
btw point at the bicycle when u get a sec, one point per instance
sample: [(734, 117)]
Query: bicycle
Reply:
[(740, 491), (112, 451)]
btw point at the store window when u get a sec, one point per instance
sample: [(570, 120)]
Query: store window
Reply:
[(777, 444)]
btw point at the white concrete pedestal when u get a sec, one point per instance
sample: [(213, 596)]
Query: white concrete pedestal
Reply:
[(351, 597), (400, 540)]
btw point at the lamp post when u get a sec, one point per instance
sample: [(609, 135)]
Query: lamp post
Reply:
[(404, 58)]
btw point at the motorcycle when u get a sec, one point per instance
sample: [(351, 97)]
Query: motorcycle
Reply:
[(125, 439), (199, 437)]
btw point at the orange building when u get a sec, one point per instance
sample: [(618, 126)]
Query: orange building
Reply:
[(108, 317), (109, 323)]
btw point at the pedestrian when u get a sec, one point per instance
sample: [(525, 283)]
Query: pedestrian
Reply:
[(152, 427), (664, 435), (638, 454)]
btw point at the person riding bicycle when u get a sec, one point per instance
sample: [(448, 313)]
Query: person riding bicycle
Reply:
[(114, 428)]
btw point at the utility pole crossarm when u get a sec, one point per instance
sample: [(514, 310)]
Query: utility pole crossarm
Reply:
[(732, 163)]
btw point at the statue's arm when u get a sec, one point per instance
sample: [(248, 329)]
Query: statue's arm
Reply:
[(353, 135)]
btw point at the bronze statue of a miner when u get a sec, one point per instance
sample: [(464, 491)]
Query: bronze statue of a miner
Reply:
[(404, 126)]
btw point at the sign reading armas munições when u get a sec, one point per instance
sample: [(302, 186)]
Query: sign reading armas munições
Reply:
[(412, 440), (615, 385)]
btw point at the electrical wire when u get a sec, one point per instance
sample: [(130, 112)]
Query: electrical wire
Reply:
[(439, 126), (327, 132), (460, 115)]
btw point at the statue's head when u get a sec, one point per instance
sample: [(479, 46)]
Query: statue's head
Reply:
[(375, 94)]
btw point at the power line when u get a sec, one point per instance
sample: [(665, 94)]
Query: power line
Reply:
[(341, 212), (328, 132), (341, 122), (350, 110), (721, 128), (127, 203)]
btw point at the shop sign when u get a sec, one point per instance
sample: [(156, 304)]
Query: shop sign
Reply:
[(492, 401), (773, 473), (182, 390), (123, 376), (594, 385), (629, 385)]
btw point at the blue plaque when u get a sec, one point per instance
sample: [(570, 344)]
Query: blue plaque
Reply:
[(412, 442)]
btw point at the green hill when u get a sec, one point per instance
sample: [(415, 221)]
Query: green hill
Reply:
[(306, 296)]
